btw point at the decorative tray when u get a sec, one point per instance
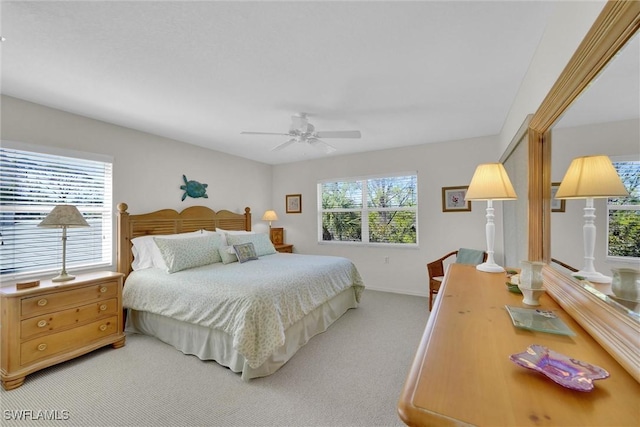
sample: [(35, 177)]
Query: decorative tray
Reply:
[(538, 320), (566, 371)]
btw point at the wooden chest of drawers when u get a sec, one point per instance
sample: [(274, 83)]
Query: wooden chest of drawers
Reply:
[(55, 322)]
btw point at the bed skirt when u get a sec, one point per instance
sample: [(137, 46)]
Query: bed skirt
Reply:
[(213, 344)]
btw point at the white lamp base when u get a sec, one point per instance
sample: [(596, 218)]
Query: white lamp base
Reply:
[(63, 277), (490, 268), (593, 276)]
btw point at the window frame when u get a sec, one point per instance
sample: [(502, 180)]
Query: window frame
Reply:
[(364, 211), (105, 213), (611, 207)]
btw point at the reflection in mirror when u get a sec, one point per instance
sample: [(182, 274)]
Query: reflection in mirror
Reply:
[(604, 120), (514, 214)]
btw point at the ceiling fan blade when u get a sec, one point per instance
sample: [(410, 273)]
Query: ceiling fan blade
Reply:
[(339, 134), (283, 145), (263, 133), (321, 145)]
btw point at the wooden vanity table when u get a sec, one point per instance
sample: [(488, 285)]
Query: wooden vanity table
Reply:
[(462, 375)]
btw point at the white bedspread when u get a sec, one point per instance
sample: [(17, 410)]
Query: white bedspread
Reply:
[(254, 302)]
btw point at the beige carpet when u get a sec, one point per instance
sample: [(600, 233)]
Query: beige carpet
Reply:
[(350, 375)]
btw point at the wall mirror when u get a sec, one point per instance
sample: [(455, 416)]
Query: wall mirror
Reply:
[(605, 119), (611, 327)]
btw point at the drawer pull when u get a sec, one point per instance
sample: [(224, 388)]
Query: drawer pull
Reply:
[(42, 302), (42, 347), (103, 307), (42, 323), (103, 289), (103, 328)]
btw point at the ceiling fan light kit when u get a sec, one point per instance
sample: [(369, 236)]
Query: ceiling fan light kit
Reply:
[(303, 131)]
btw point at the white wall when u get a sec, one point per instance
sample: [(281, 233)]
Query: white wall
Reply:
[(613, 139), (438, 165), (147, 169)]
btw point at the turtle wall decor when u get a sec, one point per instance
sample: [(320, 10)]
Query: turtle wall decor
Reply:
[(193, 189)]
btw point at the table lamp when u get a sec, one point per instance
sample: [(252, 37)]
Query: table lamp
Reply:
[(587, 178), (64, 216), (270, 216), (490, 182)]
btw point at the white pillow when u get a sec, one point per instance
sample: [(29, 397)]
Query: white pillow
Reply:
[(224, 233), (228, 254), (261, 242), (146, 253), (182, 254)]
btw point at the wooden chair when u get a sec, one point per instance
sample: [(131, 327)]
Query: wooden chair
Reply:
[(435, 269)]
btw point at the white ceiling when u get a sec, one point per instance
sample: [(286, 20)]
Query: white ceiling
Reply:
[(403, 73)]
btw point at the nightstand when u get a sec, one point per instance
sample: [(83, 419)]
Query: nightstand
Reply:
[(284, 248), (58, 321)]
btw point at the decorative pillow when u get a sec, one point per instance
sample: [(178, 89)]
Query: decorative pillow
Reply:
[(228, 254), (146, 253), (261, 242), (182, 254), (245, 252), (223, 237), (225, 232)]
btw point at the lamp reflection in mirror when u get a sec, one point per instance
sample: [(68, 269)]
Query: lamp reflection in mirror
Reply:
[(64, 216), (490, 182), (270, 216), (590, 177)]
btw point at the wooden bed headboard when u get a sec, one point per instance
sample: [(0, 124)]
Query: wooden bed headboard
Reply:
[(169, 221)]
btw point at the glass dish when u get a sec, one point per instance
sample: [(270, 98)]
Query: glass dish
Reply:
[(566, 371), (538, 320)]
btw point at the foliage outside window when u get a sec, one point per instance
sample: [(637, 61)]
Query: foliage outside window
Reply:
[(32, 183), (624, 214), (372, 210)]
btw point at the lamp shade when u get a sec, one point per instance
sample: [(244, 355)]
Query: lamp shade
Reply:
[(270, 216), (64, 216), (591, 177), (490, 182)]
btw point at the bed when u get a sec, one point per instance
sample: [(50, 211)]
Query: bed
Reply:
[(245, 306)]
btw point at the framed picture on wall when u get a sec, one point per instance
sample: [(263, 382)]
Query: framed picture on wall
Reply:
[(557, 205), (453, 199), (294, 203)]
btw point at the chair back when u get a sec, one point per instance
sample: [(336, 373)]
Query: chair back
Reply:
[(470, 256)]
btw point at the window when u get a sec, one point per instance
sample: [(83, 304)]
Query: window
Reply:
[(32, 183), (624, 214), (371, 210)]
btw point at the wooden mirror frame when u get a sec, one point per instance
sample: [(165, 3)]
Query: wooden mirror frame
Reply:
[(616, 332)]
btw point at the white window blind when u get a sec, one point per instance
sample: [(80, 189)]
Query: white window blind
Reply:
[(371, 210), (31, 185)]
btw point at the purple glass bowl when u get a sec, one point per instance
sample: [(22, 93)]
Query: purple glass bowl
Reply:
[(567, 372)]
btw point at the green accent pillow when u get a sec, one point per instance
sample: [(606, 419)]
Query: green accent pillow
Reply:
[(261, 242), (245, 252), (228, 254), (182, 254)]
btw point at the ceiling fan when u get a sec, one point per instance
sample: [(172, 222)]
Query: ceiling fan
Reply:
[(303, 131)]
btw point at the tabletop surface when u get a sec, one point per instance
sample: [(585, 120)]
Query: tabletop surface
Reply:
[(462, 375)]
